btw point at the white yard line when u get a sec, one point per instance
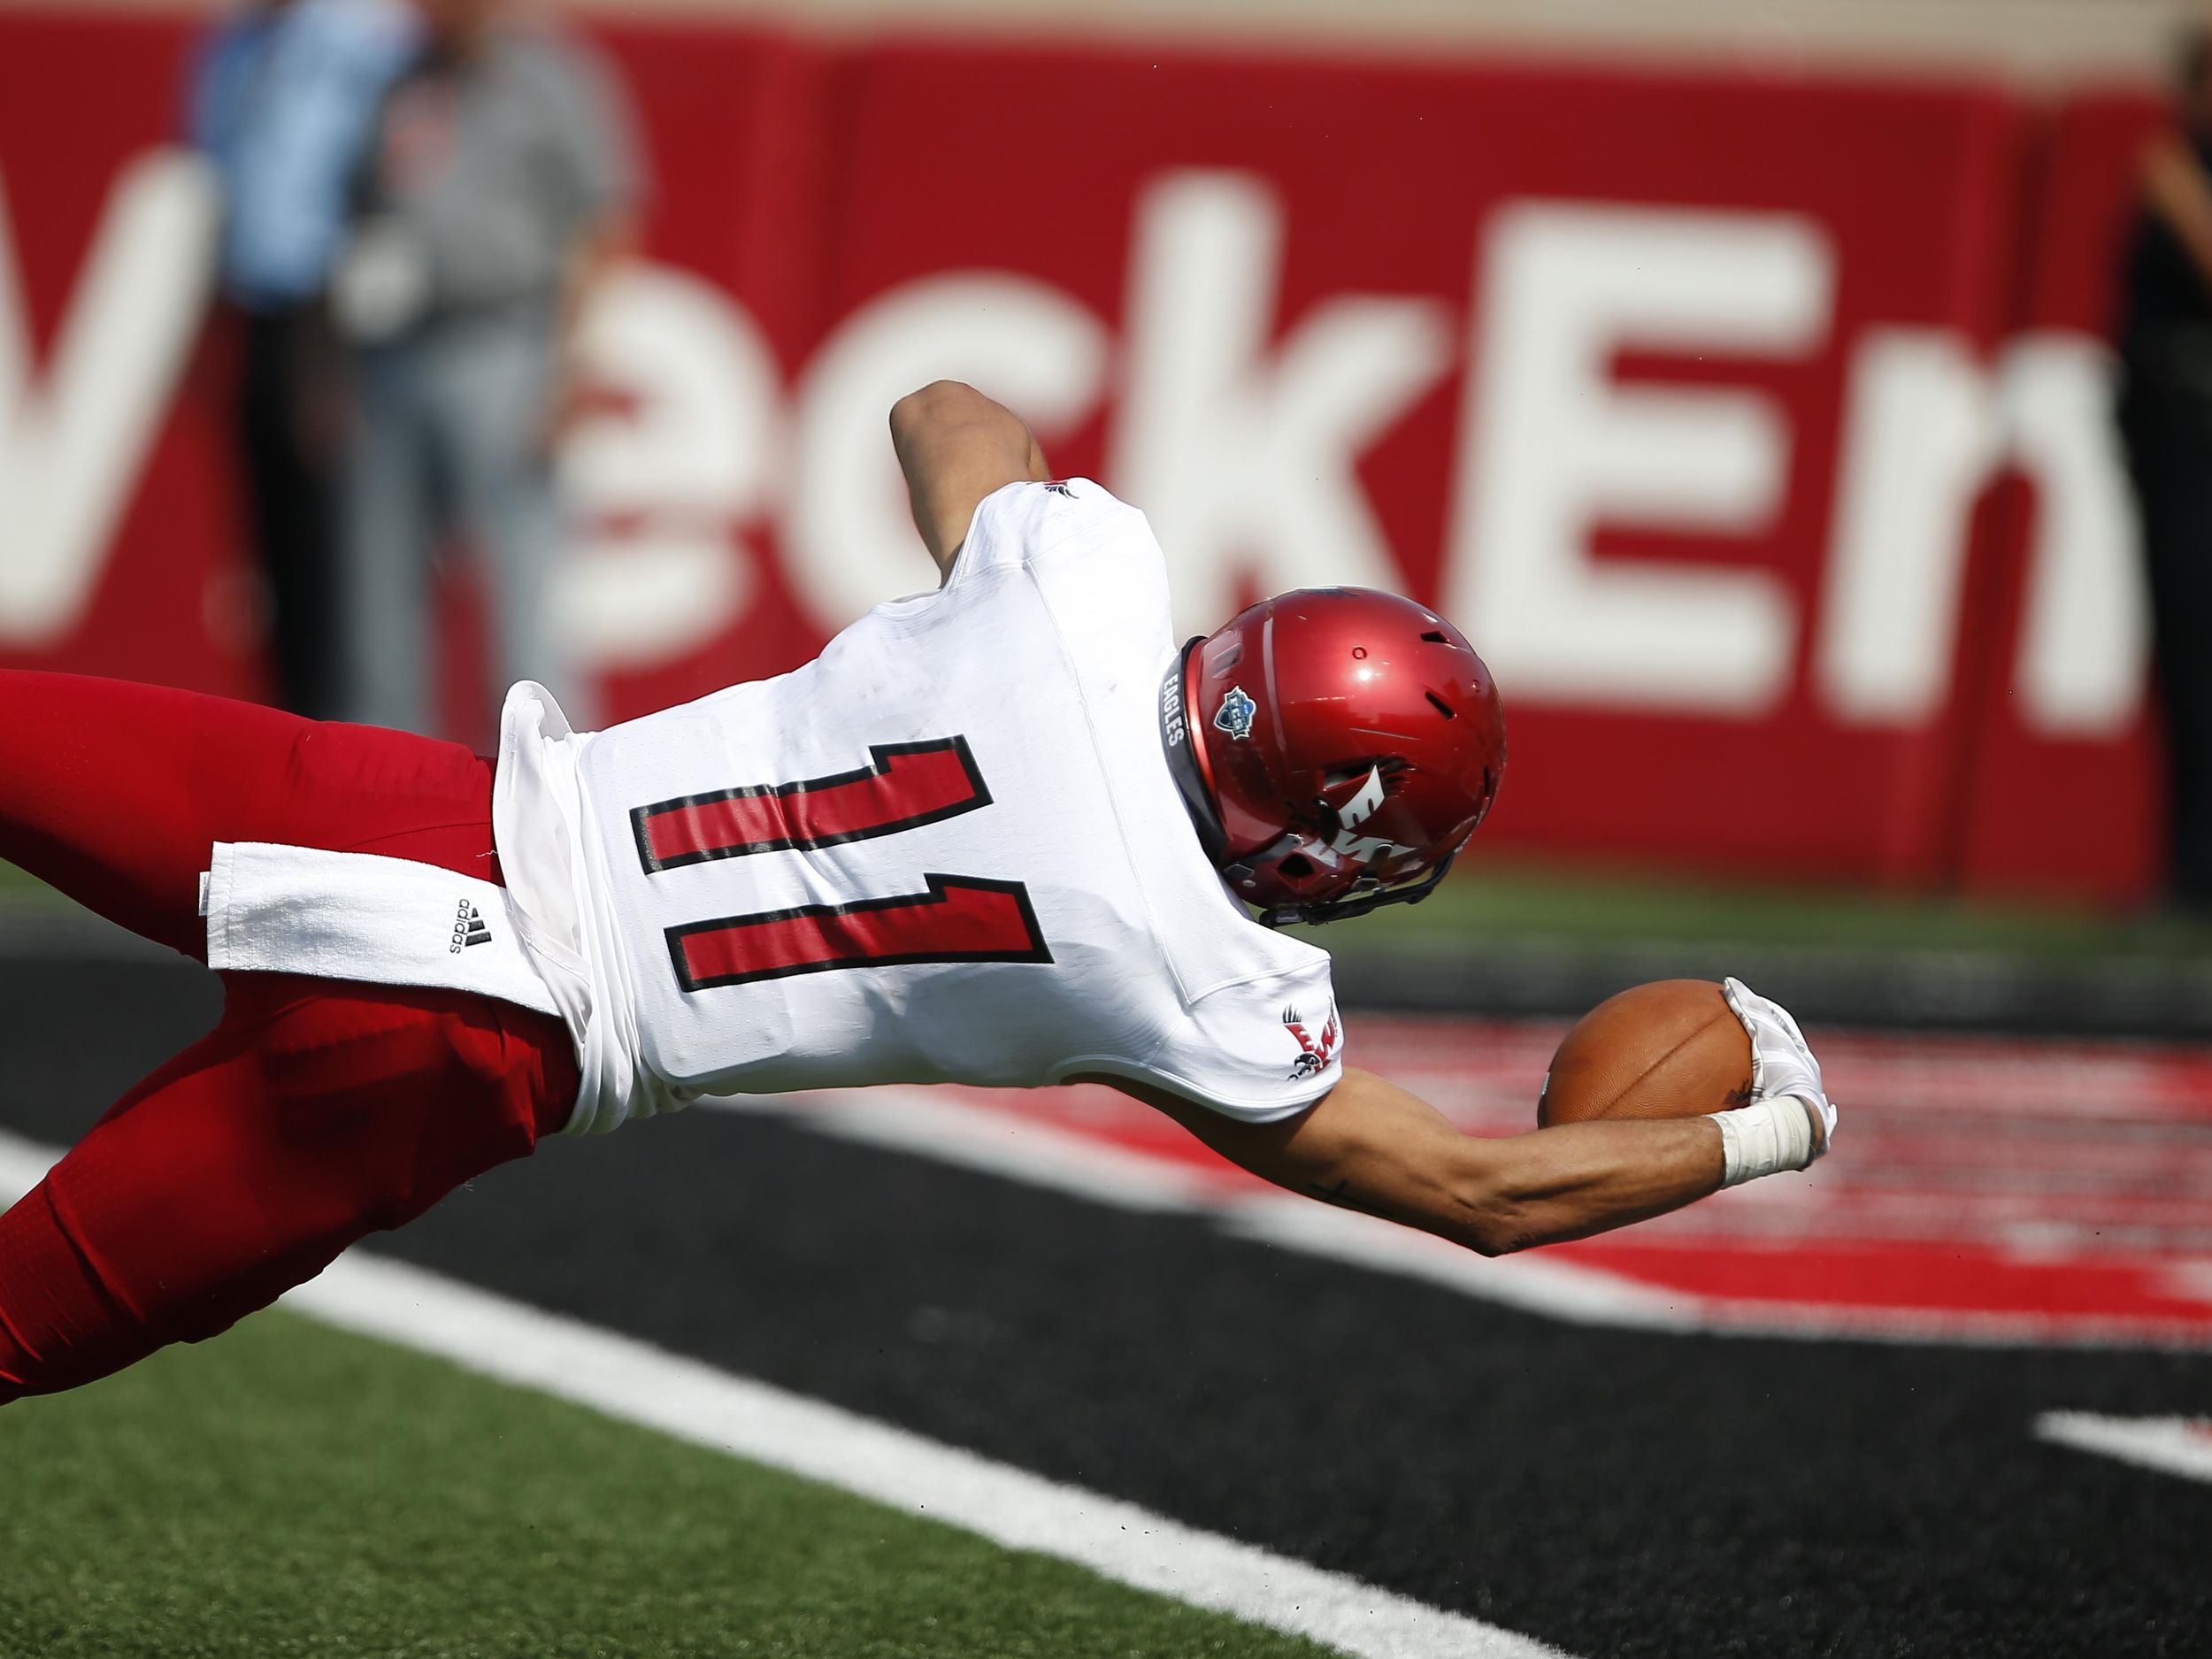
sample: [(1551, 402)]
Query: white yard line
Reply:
[(926, 1123), (931, 1125), (2173, 1446), (692, 1401)]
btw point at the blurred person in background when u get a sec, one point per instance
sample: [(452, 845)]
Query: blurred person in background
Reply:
[(2165, 420), (280, 100), (498, 191)]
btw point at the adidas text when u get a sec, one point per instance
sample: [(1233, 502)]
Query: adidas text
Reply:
[(468, 928)]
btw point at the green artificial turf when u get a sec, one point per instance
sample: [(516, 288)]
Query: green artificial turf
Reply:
[(1505, 899), (292, 1490)]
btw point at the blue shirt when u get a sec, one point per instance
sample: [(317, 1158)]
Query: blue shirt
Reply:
[(282, 101)]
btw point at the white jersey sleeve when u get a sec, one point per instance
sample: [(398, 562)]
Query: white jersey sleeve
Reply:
[(1254, 1032), (1260, 1051)]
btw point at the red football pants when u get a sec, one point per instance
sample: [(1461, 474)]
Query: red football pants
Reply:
[(317, 1111)]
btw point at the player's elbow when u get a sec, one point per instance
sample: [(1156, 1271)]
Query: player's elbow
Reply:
[(1498, 1231), (940, 403), (1489, 1215)]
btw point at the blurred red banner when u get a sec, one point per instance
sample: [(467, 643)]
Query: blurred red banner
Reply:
[(1754, 427)]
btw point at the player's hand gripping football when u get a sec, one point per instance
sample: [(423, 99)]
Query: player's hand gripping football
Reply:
[(1781, 1061)]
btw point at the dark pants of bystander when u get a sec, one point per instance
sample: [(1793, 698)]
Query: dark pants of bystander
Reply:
[(2166, 426)]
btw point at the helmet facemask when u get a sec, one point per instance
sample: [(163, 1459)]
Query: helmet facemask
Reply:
[(1341, 860)]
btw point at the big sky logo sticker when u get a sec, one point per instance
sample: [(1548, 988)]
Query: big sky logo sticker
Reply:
[(1234, 716)]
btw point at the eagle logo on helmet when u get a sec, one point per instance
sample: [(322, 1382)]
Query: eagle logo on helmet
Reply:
[(1236, 714), (1363, 806)]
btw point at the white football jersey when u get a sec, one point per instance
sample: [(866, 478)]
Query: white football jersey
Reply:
[(949, 850)]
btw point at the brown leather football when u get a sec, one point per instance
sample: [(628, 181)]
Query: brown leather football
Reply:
[(1672, 1048)]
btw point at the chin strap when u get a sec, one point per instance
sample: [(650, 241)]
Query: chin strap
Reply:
[(1358, 902)]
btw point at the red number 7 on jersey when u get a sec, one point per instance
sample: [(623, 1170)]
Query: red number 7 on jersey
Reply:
[(958, 919)]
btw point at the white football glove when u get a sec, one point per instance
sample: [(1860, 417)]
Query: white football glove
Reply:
[(1781, 1064)]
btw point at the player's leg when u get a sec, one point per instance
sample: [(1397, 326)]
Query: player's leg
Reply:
[(115, 792), (317, 1111), (315, 1114)]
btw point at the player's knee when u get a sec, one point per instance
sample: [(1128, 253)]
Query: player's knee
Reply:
[(71, 1341)]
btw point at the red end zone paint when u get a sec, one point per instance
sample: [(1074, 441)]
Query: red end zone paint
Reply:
[(1981, 1190)]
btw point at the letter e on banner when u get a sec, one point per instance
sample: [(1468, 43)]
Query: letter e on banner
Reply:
[(1549, 448)]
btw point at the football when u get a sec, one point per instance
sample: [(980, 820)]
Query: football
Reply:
[(1671, 1048)]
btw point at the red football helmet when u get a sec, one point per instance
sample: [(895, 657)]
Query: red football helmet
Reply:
[(1336, 745)]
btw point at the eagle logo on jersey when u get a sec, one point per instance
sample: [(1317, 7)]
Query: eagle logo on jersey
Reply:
[(1236, 714), (1314, 1055)]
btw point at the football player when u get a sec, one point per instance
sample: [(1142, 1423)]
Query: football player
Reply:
[(1005, 832)]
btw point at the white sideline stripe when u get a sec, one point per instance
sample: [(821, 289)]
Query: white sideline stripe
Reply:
[(691, 1402), (925, 1124), (2173, 1446), (23, 1165), (930, 1125), (696, 1402), (1530, 1283), (991, 1143)]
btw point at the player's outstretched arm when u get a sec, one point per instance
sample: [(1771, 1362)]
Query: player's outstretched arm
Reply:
[(1370, 1145), (955, 446)]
